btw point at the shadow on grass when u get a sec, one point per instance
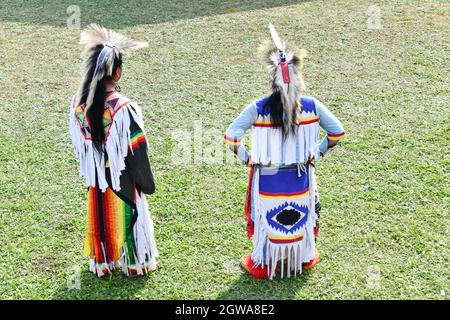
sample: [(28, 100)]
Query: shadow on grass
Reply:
[(116, 286), (247, 288), (118, 14)]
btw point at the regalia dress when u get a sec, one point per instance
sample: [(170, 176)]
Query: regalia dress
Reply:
[(120, 232), (282, 204)]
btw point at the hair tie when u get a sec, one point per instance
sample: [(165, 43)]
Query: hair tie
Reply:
[(103, 57)]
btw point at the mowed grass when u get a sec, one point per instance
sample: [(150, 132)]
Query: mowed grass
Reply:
[(384, 191)]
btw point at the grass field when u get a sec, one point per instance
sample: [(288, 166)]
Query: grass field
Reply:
[(384, 191)]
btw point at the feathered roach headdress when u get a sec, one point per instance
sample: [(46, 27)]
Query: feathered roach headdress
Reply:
[(285, 74), (112, 45)]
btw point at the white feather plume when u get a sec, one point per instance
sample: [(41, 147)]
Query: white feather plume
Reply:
[(95, 35), (276, 39)]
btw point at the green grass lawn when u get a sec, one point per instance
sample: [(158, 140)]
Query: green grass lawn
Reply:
[(384, 191)]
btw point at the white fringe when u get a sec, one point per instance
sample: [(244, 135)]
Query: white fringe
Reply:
[(290, 148), (260, 234), (276, 140), (144, 236), (116, 146), (294, 254), (270, 146), (308, 143), (254, 152), (291, 252), (263, 136), (98, 268)]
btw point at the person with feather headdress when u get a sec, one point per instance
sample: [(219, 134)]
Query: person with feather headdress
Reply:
[(109, 140), (282, 203)]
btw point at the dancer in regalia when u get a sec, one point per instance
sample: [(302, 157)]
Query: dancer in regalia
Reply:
[(282, 203), (108, 136)]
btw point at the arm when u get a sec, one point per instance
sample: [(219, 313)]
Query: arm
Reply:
[(331, 125), (138, 161), (237, 129)]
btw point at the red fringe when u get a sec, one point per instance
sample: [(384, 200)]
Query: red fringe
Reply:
[(248, 204)]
